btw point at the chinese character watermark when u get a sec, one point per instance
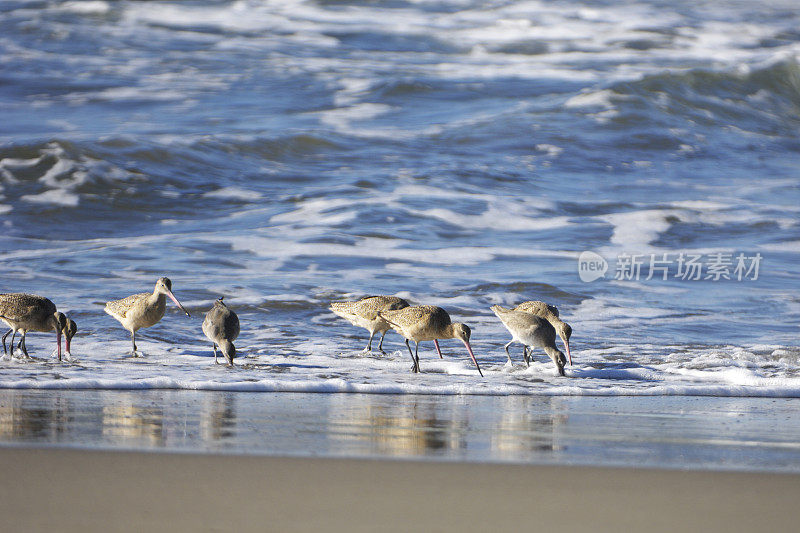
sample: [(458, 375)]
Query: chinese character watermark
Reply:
[(684, 266)]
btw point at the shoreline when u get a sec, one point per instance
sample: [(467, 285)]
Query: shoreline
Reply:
[(91, 490), (706, 434)]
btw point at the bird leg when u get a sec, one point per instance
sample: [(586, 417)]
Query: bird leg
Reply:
[(414, 368), (369, 344), (436, 343), (134, 353), (23, 346), (526, 354), (380, 345), (5, 351), (214, 344), (509, 353)]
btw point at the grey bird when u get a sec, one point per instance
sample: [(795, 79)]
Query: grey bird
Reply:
[(221, 326), (531, 331), (549, 313)]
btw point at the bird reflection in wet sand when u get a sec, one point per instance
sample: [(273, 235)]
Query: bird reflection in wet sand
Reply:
[(37, 422), (525, 425), (364, 313), (218, 417), (427, 323), (143, 310), (129, 423), (407, 429)]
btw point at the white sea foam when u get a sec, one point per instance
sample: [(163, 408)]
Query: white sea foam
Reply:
[(313, 366), (87, 7), (53, 196), (636, 230), (600, 98), (233, 193)]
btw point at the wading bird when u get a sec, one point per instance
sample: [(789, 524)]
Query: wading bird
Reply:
[(143, 310), (221, 326), (549, 313), (427, 323), (29, 312), (364, 313), (531, 331)]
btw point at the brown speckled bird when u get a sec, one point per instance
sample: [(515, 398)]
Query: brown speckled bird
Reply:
[(427, 323), (144, 309), (29, 312), (364, 313)]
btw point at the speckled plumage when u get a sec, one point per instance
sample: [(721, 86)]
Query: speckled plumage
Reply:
[(538, 308), (144, 309), (427, 323), (364, 313), (28, 312), (531, 331), (221, 326)]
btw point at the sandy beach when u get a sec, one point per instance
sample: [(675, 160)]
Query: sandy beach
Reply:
[(79, 490)]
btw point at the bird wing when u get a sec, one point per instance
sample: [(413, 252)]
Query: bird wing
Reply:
[(120, 308)]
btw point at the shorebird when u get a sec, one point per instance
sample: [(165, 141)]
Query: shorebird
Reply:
[(427, 323), (221, 326), (144, 309), (364, 313), (28, 312), (549, 313), (531, 331)]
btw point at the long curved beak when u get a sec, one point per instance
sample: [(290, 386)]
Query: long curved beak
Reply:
[(469, 349), (169, 293), (58, 340), (569, 355)]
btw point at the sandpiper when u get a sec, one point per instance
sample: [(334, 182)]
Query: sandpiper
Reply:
[(427, 323), (364, 313), (221, 326), (144, 309)]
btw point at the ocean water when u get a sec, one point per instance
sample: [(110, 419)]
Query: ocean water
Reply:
[(286, 154)]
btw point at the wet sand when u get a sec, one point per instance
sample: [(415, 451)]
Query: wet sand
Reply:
[(49, 489)]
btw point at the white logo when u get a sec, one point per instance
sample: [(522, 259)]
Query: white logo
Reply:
[(591, 266)]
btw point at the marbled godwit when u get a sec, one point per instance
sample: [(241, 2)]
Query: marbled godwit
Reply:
[(427, 323), (221, 326), (28, 312), (531, 330), (364, 313), (144, 309), (549, 313)]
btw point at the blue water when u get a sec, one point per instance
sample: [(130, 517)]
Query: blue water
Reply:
[(457, 153)]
